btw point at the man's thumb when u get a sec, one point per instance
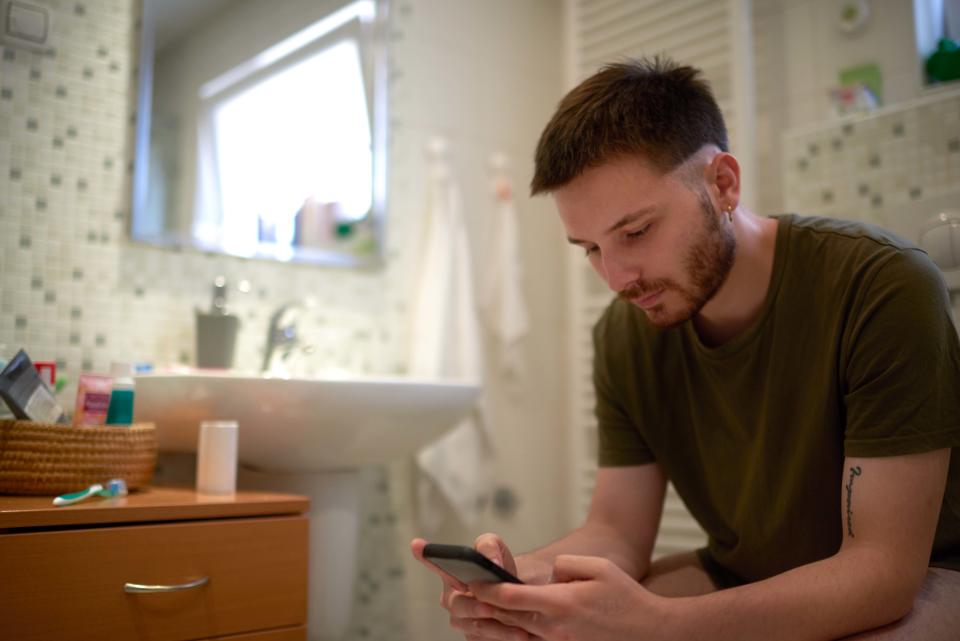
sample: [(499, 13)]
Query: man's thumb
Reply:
[(568, 567)]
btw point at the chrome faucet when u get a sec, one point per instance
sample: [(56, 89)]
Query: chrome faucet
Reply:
[(282, 334)]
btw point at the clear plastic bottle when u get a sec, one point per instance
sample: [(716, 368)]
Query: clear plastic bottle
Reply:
[(120, 411)]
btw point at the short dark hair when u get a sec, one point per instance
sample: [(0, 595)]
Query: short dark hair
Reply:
[(655, 108)]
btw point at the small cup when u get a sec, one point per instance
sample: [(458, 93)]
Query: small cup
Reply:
[(217, 457)]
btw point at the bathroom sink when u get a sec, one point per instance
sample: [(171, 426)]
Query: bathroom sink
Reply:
[(303, 425)]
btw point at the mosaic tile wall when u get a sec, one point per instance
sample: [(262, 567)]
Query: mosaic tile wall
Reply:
[(74, 290), (882, 168)]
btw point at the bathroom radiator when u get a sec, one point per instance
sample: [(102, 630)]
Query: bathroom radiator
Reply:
[(715, 36)]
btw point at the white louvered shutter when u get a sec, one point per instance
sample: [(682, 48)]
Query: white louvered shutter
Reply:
[(713, 35)]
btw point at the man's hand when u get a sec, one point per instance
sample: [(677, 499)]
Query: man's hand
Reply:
[(466, 613), (588, 598)]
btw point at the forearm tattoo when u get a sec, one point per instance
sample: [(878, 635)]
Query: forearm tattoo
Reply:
[(854, 472)]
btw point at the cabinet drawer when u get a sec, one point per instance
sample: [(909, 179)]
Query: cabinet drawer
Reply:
[(70, 584), (298, 633)]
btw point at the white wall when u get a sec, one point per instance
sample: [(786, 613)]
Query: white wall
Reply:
[(487, 75)]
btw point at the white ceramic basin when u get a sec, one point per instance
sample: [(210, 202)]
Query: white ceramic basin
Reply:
[(303, 425)]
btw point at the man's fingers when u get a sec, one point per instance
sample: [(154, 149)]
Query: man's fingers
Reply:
[(464, 606), (488, 630), (416, 547), (491, 546)]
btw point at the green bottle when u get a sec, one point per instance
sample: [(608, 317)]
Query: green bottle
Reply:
[(120, 411)]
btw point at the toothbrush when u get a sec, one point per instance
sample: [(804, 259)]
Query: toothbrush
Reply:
[(76, 497), (115, 487)]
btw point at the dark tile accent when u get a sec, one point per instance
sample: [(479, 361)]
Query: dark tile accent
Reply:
[(77, 273), (32, 124), (35, 74), (6, 93), (863, 189), (61, 363), (91, 236), (25, 242), (813, 149), (87, 73), (15, 173), (71, 132), (898, 130), (56, 180), (76, 313), (80, 9), (139, 292), (108, 163), (100, 340), (82, 184), (50, 296), (877, 201), (104, 237), (102, 52), (74, 338), (86, 364), (36, 283), (41, 204), (119, 215), (953, 145), (916, 193), (61, 91), (20, 322), (874, 160), (827, 196), (57, 142), (837, 144), (114, 66), (9, 55), (802, 164)]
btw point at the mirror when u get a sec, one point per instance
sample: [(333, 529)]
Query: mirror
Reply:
[(262, 129)]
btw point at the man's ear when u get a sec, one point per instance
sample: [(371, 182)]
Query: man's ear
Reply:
[(724, 179)]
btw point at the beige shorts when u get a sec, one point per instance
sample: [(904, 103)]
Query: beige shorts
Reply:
[(935, 615)]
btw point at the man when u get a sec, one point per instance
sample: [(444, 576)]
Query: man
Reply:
[(797, 379)]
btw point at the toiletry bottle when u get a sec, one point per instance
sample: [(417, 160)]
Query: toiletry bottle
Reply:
[(217, 331), (120, 411)]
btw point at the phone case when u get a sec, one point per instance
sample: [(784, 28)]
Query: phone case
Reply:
[(466, 564)]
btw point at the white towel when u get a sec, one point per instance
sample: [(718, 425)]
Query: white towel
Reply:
[(505, 309), (445, 344)]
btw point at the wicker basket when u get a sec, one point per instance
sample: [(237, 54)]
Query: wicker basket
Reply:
[(43, 458)]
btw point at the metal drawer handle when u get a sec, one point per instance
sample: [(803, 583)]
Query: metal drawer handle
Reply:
[(141, 588)]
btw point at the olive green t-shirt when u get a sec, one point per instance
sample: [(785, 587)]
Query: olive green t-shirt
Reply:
[(853, 354)]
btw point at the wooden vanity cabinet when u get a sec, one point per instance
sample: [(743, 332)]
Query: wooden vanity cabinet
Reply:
[(163, 564)]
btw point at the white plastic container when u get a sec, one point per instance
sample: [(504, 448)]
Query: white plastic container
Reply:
[(217, 457)]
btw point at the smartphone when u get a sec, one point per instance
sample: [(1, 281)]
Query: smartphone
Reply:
[(466, 564)]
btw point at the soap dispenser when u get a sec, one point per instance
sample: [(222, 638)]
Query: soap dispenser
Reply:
[(217, 330)]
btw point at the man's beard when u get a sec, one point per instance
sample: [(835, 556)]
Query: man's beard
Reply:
[(708, 261)]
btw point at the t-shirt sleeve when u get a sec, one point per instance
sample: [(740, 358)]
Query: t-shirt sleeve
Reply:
[(902, 369), (619, 442)]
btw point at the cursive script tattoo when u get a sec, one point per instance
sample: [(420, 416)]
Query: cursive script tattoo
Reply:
[(854, 472)]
